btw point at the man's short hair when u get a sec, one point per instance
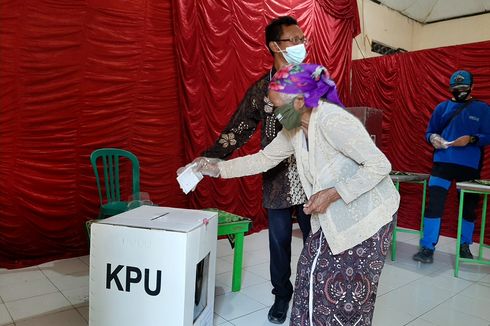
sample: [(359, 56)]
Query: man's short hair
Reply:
[(273, 31)]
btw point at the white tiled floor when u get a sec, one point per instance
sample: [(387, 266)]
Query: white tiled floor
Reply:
[(56, 293)]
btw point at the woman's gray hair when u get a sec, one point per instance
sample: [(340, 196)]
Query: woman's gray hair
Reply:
[(287, 98)]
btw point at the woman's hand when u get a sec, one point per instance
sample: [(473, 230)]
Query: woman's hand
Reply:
[(204, 165), (207, 166), (320, 201)]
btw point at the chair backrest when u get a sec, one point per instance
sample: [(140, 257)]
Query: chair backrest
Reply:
[(110, 163)]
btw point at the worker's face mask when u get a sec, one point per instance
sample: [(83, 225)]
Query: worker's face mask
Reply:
[(288, 116), (295, 54), (461, 93)]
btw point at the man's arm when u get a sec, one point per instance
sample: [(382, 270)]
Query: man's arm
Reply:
[(482, 138), (434, 123), (242, 125)]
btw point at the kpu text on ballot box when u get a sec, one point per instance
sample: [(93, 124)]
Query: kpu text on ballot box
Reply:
[(153, 266)]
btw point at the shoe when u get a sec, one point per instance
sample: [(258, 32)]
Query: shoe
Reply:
[(464, 251), (279, 310), (425, 256)]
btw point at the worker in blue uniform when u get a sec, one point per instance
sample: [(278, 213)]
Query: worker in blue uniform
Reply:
[(458, 129)]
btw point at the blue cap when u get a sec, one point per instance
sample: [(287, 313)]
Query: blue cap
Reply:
[(461, 77)]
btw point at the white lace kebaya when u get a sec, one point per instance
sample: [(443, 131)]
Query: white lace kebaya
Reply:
[(339, 154)]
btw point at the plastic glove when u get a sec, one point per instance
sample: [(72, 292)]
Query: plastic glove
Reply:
[(207, 166), (438, 142), (182, 169)]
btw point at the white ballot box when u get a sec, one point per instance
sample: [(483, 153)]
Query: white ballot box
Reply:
[(153, 266)]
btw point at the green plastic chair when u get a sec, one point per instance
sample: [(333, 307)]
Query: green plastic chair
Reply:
[(111, 159)]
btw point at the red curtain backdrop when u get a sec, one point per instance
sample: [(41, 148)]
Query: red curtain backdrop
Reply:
[(407, 87), (221, 51), (77, 76), (81, 75)]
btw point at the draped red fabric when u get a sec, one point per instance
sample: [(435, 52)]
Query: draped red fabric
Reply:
[(407, 87), (81, 75), (77, 76), (221, 51)]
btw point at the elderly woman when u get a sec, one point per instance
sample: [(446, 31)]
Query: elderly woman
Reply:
[(351, 197)]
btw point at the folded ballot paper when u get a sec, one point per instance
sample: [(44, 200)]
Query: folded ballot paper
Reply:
[(189, 179)]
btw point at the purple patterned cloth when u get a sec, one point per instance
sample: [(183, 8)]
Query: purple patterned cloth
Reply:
[(344, 286), (311, 80)]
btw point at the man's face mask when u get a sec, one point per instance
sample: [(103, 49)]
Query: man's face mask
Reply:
[(295, 54), (461, 93), (288, 116)]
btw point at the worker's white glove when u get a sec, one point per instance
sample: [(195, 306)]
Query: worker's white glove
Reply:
[(438, 142)]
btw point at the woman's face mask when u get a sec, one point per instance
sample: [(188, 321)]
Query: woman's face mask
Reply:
[(288, 116)]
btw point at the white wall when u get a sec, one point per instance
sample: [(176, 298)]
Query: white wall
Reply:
[(384, 25), (453, 32), (387, 26)]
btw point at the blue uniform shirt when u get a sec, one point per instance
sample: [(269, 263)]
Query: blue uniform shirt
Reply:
[(474, 120)]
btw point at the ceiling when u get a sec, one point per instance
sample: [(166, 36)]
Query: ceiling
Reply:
[(430, 11)]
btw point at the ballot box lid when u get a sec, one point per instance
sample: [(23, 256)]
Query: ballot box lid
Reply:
[(162, 218)]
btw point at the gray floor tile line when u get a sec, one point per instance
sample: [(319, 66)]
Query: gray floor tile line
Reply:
[(485, 284), (411, 321), (467, 296), (83, 317), (34, 296), (55, 290), (441, 266), (50, 313), (64, 296), (59, 290), (67, 274), (252, 298), (84, 262), (451, 267), (223, 257), (218, 274), (419, 317), (57, 310), (245, 267), (10, 314), (265, 280), (252, 312), (473, 281), (437, 272), (399, 287), (424, 276), (229, 320), (448, 299)]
